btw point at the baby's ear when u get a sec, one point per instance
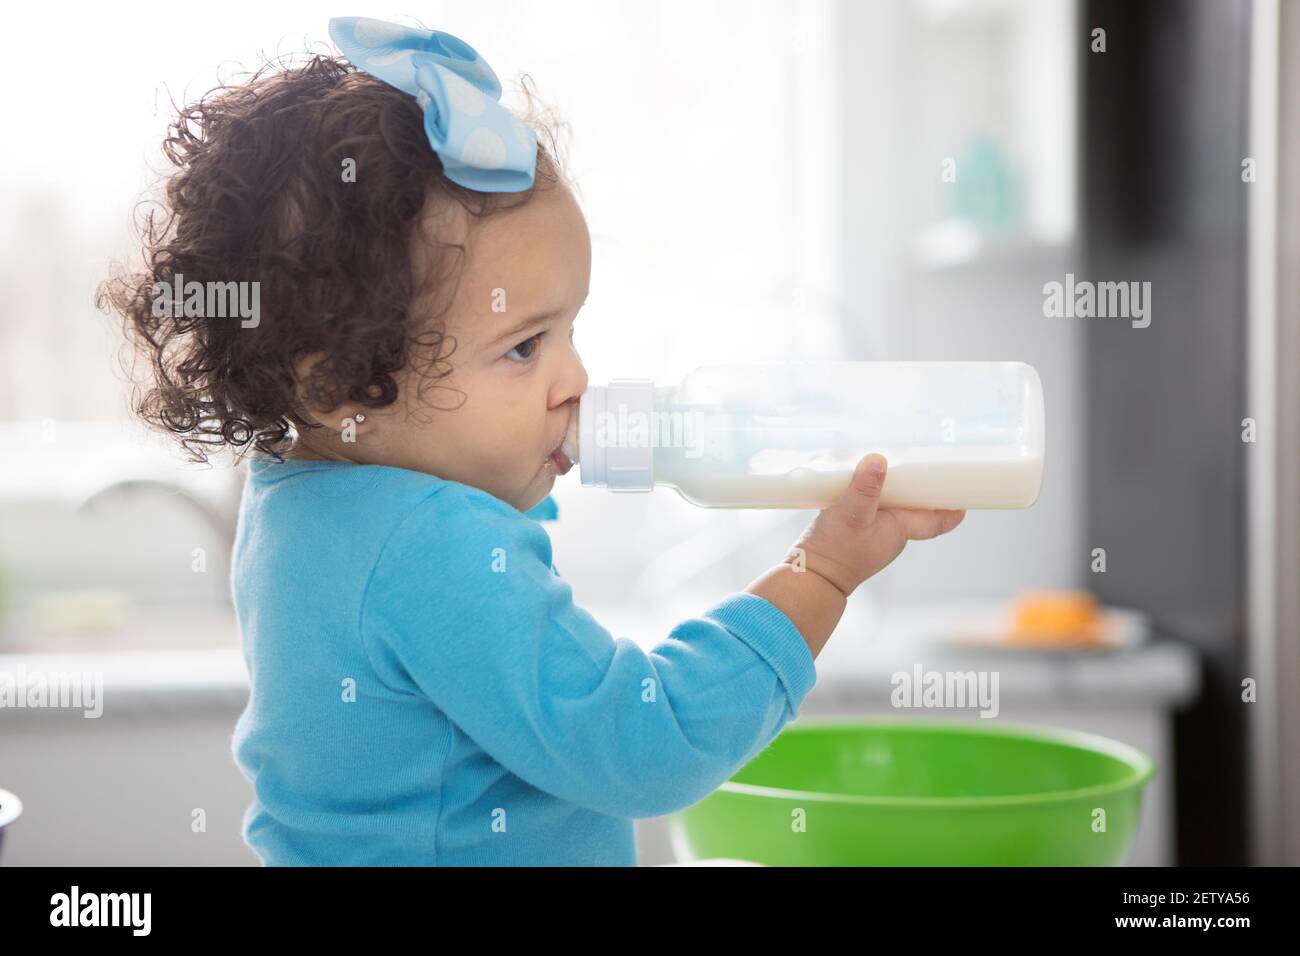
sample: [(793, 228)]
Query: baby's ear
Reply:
[(302, 373)]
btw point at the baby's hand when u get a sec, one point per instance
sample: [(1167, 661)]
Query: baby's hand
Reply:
[(854, 538)]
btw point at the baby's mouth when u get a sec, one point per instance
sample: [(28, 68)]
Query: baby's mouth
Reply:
[(563, 456)]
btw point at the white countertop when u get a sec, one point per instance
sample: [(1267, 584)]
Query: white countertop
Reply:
[(868, 648)]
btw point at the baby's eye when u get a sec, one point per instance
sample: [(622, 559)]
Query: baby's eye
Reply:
[(528, 345)]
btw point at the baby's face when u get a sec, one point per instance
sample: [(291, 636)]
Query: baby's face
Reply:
[(523, 279)]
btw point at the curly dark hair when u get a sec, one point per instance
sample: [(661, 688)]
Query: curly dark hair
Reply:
[(258, 194)]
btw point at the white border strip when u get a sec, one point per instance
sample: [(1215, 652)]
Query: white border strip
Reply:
[(1261, 458)]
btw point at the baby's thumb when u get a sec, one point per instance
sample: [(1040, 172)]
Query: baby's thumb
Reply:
[(858, 504)]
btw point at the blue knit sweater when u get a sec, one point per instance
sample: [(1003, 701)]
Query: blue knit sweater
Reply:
[(425, 691)]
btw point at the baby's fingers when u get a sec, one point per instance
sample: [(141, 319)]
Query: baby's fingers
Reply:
[(857, 506), (919, 523)]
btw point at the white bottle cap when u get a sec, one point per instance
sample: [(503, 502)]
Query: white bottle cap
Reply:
[(606, 413)]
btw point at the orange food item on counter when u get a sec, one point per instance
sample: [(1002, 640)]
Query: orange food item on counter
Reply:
[(1049, 617)]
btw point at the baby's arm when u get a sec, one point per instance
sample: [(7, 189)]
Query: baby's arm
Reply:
[(464, 610), (846, 544)]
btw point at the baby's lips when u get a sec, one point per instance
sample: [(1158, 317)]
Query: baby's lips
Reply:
[(570, 444)]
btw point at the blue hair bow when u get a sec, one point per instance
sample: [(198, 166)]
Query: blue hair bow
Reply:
[(482, 145)]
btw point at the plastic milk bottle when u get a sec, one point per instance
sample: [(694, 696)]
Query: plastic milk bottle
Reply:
[(788, 434)]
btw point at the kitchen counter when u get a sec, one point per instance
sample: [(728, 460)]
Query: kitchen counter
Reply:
[(147, 767)]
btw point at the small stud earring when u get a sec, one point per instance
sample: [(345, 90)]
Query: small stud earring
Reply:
[(360, 418)]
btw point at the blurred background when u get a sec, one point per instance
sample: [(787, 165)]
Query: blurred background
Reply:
[(763, 181)]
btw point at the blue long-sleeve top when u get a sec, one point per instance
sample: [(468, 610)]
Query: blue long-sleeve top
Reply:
[(424, 690)]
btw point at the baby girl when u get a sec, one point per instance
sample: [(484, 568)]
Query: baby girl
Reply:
[(424, 690)]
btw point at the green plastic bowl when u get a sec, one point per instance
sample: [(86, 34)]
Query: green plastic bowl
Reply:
[(894, 792)]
